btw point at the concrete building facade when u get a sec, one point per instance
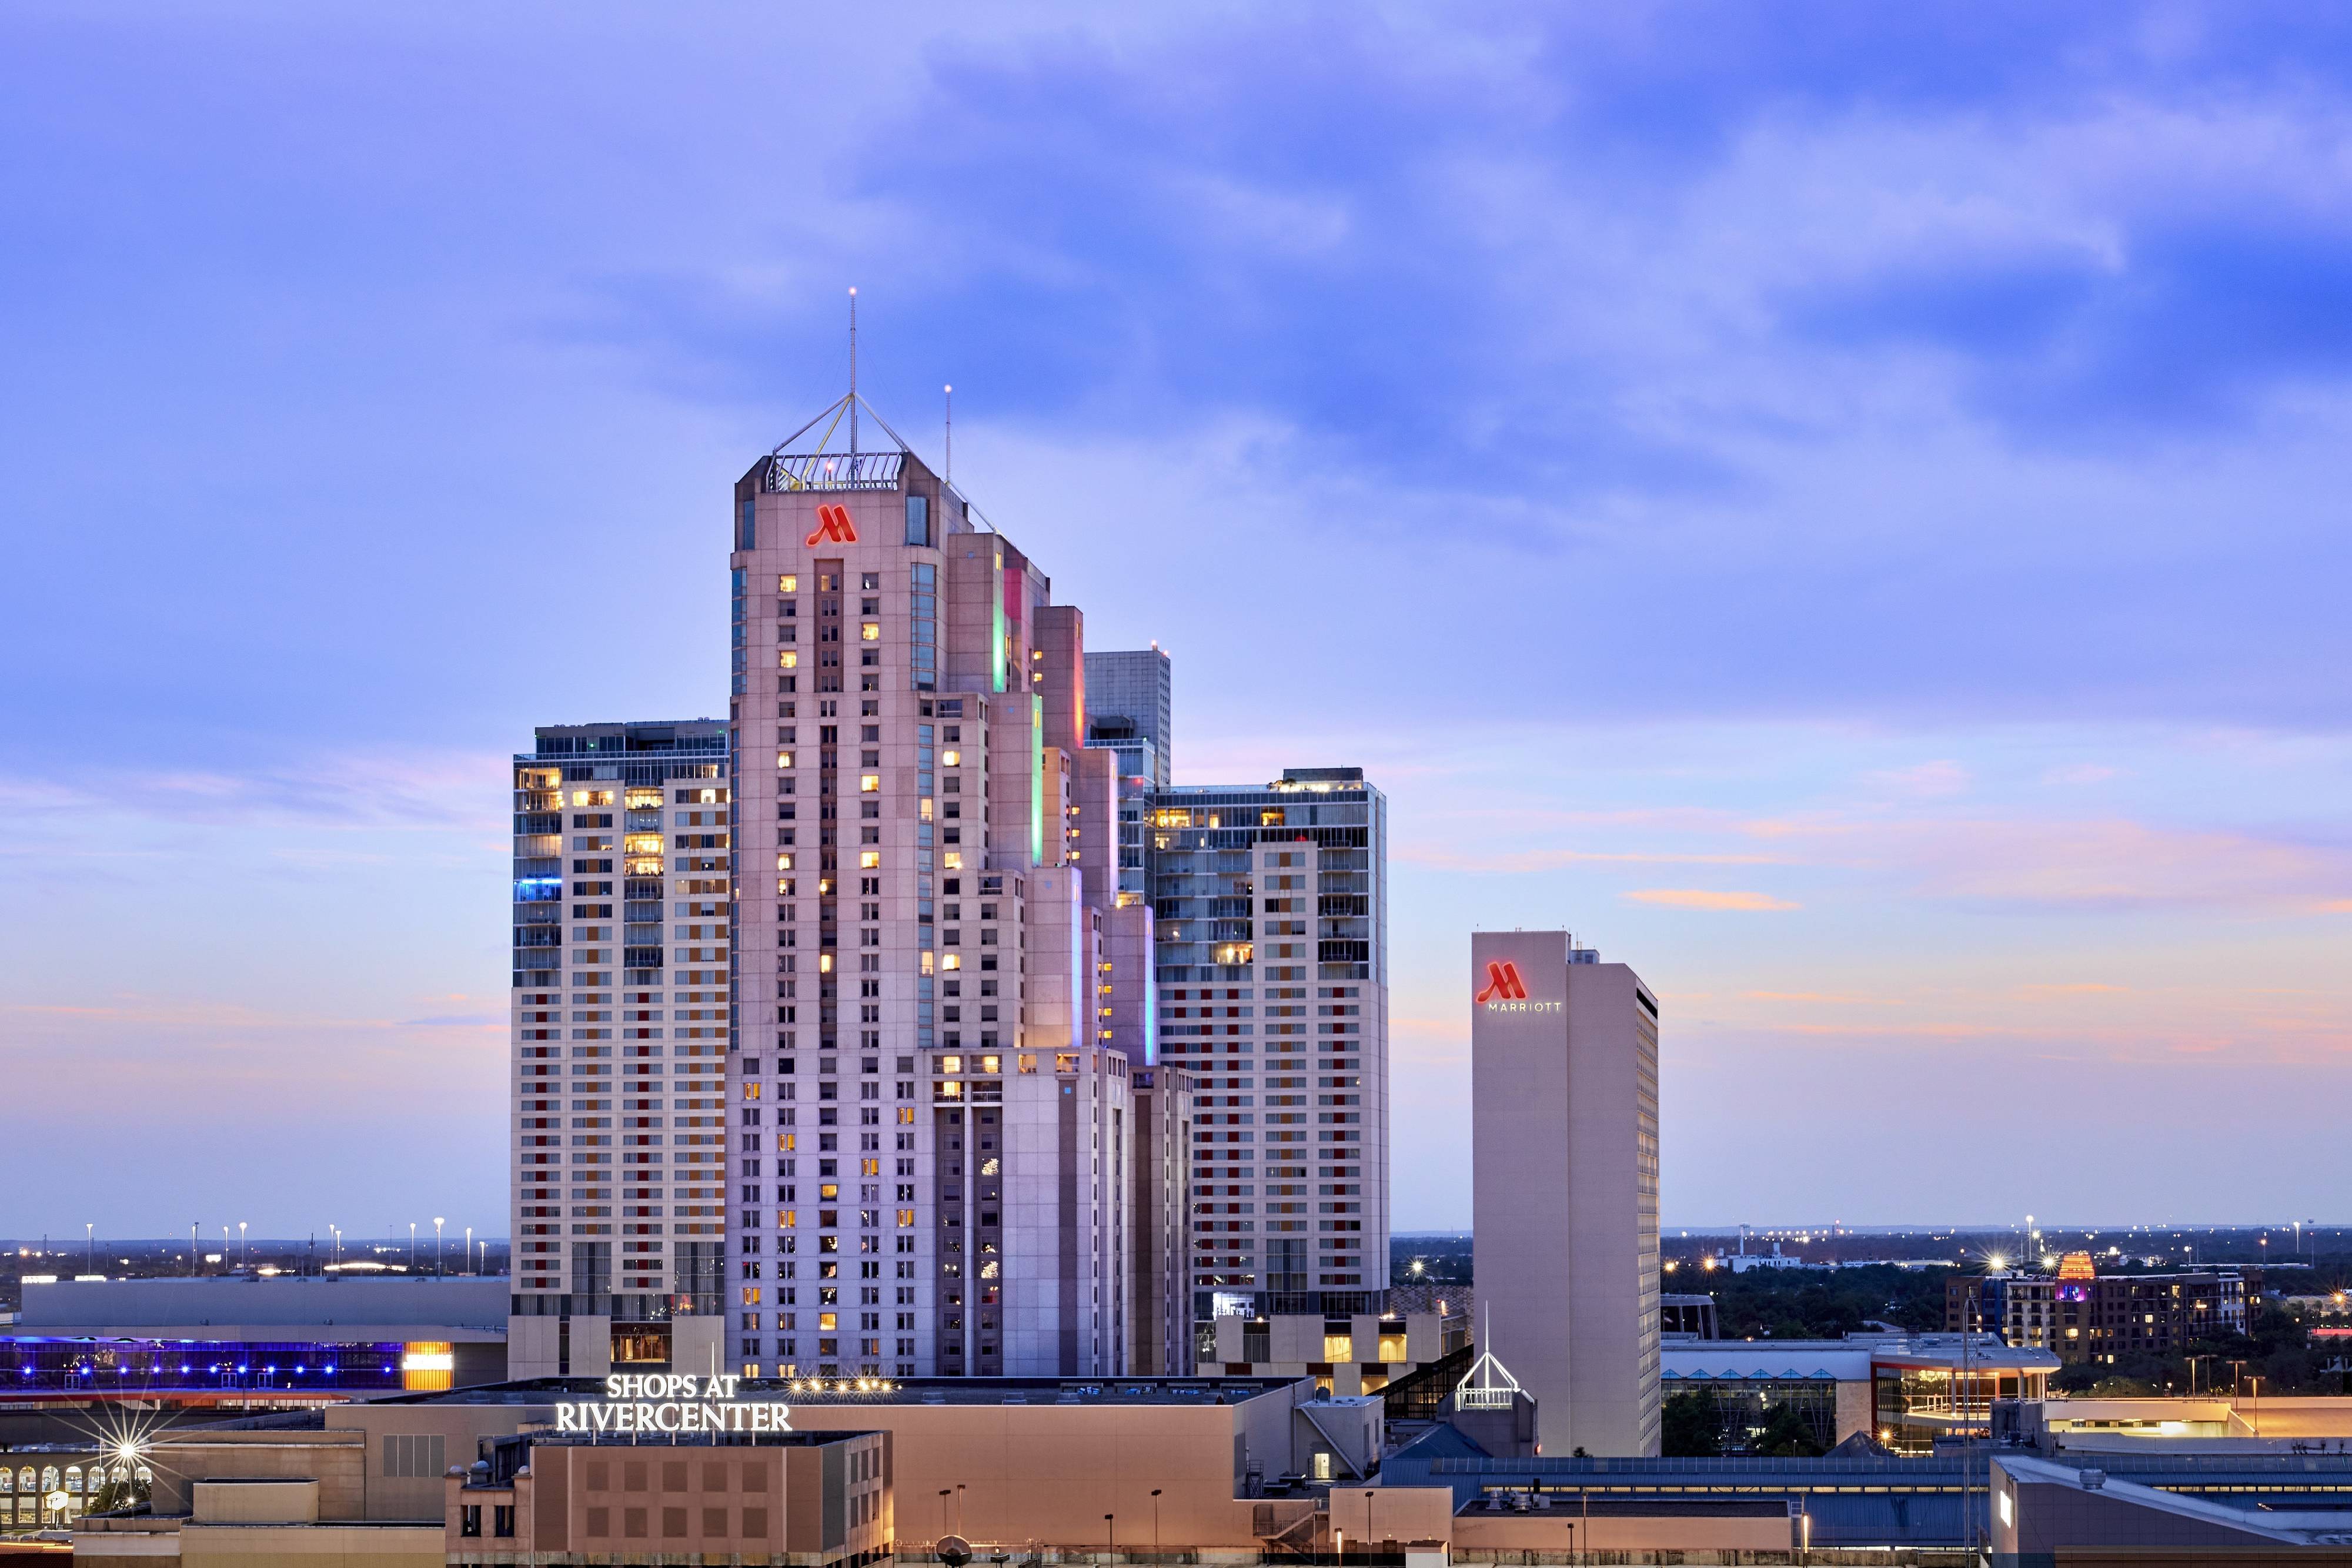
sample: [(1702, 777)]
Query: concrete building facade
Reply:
[(1564, 1095), (622, 848), (938, 1138)]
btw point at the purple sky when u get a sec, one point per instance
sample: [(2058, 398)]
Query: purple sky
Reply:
[(1845, 512)]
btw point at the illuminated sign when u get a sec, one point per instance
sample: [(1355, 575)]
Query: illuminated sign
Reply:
[(1503, 983), (833, 523), (1506, 993), (664, 1402)]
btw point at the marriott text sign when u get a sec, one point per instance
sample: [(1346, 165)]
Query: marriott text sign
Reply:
[(1506, 992)]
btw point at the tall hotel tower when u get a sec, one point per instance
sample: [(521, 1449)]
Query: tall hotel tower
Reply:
[(1564, 1185), (621, 962), (945, 1161)]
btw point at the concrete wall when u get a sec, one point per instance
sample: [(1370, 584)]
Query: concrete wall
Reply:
[(312, 1546), (1050, 1472), (290, 1501), (150, 1541), (389, 1496), (1393, 1513), (1857, 1409), (1662, 1532), (335, 1460)]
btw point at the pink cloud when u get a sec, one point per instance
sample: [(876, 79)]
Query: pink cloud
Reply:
[(1706, 898)]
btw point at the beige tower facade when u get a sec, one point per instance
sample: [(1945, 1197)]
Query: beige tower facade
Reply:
[(939, 1145), (1564, 1125)]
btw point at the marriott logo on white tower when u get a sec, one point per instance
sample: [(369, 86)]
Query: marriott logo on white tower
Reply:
[(1505, 992), (657, 1402)]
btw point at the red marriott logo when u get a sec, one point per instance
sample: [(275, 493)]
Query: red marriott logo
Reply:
[(1506, 992), (1503, 984), (833, 523)]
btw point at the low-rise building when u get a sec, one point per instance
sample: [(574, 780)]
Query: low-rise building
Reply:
[(1362, 1354), (2084, 1316), (1906, 1392), (821, 1500)]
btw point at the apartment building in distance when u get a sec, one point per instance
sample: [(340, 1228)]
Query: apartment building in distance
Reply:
[(1130, 710), (2085, 1316), (946, 1162), (621, 845), (1564, 1185)]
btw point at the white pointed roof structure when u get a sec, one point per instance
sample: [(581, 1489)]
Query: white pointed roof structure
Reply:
[(1489, 1384)]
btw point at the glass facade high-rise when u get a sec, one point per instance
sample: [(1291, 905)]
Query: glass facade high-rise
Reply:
[(1130, 710), (1269, 951), (621, 842), (1270, 926)]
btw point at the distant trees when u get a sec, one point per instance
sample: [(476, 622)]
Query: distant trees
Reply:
[(1787, 1435), (1690, 1427), (1806, 1303)]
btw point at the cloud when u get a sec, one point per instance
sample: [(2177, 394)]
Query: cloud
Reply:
[(1702, 898), (2079, 773), (1553, 860), (2112, 863), (1829, 998), (1929, 779)]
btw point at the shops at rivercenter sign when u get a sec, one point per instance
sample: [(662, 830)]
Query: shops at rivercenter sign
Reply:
[(656, 1402)]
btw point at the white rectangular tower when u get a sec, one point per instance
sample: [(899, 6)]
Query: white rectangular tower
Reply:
[(1564, 1129)]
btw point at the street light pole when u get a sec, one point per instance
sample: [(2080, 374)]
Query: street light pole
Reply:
[(436, 1246), (1110, 1535), (244, 1256), (90, 1240), (1155, 1522)]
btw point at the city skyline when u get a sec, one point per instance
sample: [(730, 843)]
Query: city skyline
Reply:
[(1874, 512)]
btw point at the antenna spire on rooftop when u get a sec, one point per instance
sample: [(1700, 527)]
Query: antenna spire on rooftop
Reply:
[(853, 371)]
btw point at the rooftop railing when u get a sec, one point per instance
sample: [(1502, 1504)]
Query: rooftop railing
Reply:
[(835, 471)]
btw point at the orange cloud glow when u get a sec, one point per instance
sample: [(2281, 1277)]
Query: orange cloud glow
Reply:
[(1706, 898)]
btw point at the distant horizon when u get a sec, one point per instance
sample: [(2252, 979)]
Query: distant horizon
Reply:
[(59, 1243)]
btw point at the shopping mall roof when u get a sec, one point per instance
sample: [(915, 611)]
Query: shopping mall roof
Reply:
[(330, 1309), (1840, 1360)]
